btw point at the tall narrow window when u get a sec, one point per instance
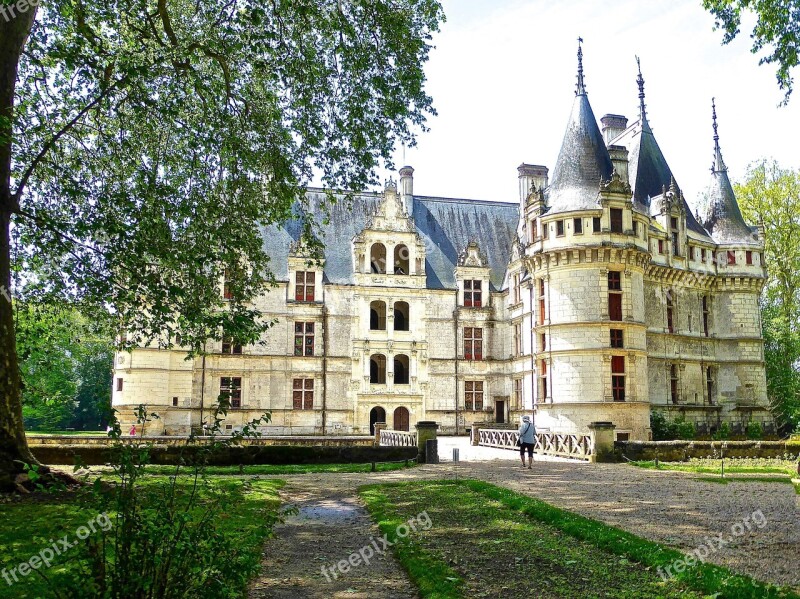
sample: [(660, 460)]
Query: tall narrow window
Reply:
[(710, 385), (518, 393), (473, 395), (377, 258), (229, 346), (230, 387), (401, 316), (119, 384), (705, 315), (670, 312), (542, 341), (559, 228), (401, 370), (303, 394), (660, 246), (614, 295), (227, 287), (676, 250), (691, 252), (616, 220), (635, 224), (304, 286), (673, 383), (304, 339), (618, 378), (517, 340), (577, 225), (542, 305), (543, 378), (377, 369), (472, 294), (596, 224), (473, 343), (731, 258), (545, 230), (401, 260), (749, 257), (617, 338), (702, 255), (377, 316)]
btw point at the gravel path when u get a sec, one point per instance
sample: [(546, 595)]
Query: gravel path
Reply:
[(759, 522)]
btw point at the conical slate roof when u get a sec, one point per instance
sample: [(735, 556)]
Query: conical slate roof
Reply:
[(648, 169), (723, 218), (583, 160)]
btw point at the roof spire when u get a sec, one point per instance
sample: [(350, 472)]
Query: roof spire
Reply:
[(580, 89), (719, 164), (640, 82)]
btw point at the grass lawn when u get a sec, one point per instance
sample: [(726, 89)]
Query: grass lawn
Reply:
[(486, 541), (744, 466), (29, 524)]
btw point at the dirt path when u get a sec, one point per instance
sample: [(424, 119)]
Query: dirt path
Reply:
[(331, 525), (673, 508)]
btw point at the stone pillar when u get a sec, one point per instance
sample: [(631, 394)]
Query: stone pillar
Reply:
[(603, 441), (425, 430), (379, 426), (476, 432)]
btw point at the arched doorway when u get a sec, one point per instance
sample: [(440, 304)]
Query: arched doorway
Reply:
[(401, 419), (376, 414)]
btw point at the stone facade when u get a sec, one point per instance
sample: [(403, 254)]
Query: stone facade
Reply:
[(597, 297)]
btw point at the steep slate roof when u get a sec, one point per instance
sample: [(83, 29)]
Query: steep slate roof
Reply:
[(583, 160), (648, 170), (445, 226), (723, 219), (581, 164)]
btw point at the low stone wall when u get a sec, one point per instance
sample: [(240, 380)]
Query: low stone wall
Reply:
[(100, 454), (168, 441), (680, 451)]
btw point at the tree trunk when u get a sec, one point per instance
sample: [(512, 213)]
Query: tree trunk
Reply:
[(14, 30)]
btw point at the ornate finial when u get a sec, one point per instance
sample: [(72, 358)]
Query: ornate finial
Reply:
[(580, 89), (673, 187), (640, 82), (719, 164)]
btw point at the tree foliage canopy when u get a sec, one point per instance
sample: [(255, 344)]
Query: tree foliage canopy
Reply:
[(152, 139), (770, 195), (777, 31)]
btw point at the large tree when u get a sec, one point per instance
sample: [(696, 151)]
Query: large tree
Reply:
[(143, 142), (770, 195), (776, 32)]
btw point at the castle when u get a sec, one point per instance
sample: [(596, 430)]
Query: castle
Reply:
[(598, 296)]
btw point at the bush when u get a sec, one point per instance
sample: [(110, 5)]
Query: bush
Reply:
[(755, 431), (723, 433), (165, 538), (670, 430)]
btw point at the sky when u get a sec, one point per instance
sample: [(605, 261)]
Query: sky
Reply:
[(503, 73)]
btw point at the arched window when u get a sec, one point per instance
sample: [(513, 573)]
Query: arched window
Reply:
[(401, 370), (401, 260), (377, 258), (401, 316), (377, 316), (377, 369)]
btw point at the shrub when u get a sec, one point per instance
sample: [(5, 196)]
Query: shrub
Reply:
[(670, 430), (685, 430), (166, 536), (723, 432), (755, 431)]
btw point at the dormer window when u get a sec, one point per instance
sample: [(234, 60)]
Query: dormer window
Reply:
[(616, 220), (305, 283), (473, 296), (673, 222), (401, 260), (377, 258)]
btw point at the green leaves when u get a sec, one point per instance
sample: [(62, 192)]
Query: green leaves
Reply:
[(152, 142), (776, 31)]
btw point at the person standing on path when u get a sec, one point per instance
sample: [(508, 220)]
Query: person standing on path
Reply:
[(527, 439)]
